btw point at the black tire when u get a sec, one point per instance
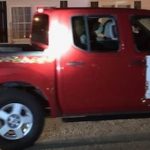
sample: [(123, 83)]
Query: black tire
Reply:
[(14, 96)]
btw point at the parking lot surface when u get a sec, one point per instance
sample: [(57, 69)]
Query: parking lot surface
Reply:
[(131, 134)]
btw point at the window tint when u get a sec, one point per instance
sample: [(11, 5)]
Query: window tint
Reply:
[(40, 29), (141, 32), (95, 33), (79, 34)]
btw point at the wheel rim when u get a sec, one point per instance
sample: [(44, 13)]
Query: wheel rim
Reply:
[(16, 121)]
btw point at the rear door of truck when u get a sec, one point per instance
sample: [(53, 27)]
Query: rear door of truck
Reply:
[(140, 54)]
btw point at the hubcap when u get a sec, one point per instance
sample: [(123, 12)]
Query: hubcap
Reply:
[(16, 121)]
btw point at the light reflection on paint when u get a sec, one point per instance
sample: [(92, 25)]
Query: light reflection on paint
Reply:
[(59, 40)]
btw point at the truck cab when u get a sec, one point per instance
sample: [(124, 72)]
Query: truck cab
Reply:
[(101, 58), (84, 62)]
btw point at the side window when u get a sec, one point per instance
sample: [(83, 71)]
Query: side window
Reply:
[(141, 32), (103, 33), (95, 33), (79, 33), (40, 29)]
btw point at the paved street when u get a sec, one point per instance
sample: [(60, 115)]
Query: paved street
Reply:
[(131, 134)]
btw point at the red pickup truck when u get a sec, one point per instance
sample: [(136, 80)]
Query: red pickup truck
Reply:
[(82, 62)]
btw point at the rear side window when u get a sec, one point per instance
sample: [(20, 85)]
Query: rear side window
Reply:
[(141, 32), (95, 33), (40, 29)]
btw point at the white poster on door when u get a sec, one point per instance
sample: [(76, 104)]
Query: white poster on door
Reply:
[(147, 93)]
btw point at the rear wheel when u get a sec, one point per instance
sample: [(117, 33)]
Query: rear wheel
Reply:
[(21, 119)]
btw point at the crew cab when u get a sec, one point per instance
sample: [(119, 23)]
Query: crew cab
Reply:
[(81, 62)]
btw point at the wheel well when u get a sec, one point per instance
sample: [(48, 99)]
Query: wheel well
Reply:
[(32, 90)]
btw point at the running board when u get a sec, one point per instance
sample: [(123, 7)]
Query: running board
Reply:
[(107, 117)]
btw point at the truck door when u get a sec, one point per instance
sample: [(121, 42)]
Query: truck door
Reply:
[(97, 76), (141, 37)]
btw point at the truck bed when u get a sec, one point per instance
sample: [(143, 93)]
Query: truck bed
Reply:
[(12, 48)]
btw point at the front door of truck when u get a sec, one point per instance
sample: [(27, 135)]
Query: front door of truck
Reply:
[(98, 75)]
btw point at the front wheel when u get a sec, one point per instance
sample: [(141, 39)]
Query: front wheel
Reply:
[(21, 119)]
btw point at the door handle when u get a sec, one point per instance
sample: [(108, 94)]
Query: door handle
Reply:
[(138, 62), (75, 63)]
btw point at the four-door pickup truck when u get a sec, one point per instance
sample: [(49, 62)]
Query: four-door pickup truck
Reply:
[(81, 62)]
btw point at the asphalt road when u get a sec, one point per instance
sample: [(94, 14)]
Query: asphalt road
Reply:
[(129, 134)]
